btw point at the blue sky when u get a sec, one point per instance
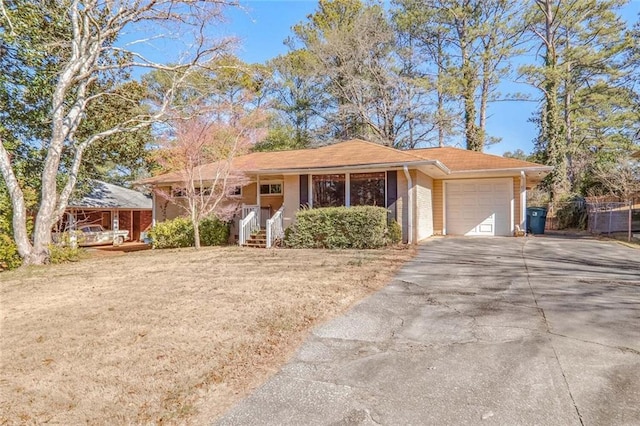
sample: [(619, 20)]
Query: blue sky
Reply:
[(262, 26)]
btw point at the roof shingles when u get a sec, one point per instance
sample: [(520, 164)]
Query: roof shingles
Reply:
[(357, 153)]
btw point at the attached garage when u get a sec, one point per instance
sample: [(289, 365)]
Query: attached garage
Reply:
[(480, 207)]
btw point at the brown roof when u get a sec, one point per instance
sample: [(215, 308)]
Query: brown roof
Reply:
[(359, 153), (350, 153), (457, 159)]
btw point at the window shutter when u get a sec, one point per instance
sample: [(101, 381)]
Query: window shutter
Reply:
[(392, 193), (304, 190)]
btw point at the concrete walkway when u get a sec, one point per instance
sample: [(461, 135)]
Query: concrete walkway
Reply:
[(506, 331)]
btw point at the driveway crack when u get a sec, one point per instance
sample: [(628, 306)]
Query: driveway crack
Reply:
[(549, 333), (620, 348)]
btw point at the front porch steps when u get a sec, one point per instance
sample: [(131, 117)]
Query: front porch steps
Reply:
[(257, 240)]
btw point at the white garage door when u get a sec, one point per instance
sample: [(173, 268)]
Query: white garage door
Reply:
[(478, 207)]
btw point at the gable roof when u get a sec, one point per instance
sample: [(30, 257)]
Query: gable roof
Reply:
[(109, 196), (357, 154)]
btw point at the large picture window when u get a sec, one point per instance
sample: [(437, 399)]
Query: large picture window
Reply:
[(367, 189), (328, 190)]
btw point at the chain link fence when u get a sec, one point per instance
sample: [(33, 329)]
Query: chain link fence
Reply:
[(597, 215), (609, 217)]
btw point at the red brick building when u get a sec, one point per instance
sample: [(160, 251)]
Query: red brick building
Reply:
[(111, 206)]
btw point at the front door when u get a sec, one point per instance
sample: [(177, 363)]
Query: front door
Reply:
[(265, 214)]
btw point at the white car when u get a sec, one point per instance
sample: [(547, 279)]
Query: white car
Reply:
[(94, 235)]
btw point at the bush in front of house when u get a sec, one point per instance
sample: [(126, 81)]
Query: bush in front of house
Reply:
[(360, 227), (9, 257), (173, 233), (178, 232), (395, 232), (64, 253), (214, 232)]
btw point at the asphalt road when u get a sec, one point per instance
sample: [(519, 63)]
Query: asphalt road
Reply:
[(496, 331)]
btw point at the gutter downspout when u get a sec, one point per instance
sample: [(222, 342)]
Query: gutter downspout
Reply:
[(410, 205), (523, 201)]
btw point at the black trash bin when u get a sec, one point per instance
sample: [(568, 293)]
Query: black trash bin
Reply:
[(536, 218)]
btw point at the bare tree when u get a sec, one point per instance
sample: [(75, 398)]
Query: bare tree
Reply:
[(199, 152), (622, 180), (90, 52)]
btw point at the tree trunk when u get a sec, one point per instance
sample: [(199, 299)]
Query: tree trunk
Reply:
[(440, 111), (471, 130), (484, 94), (196, 234), (19, 222), (556, 146), (568, 99), (195, 222), (469, 79)]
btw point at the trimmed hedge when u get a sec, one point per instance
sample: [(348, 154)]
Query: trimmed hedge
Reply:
[(361, 227), (179, 233)]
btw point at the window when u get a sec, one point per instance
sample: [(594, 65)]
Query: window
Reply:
[(178, 192), (328, 190), (271, 189), (184, 192), (236, 190), (367, 189)]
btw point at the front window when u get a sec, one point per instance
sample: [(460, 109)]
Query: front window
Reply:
[(367, 189), (328, 190), (271, 189)]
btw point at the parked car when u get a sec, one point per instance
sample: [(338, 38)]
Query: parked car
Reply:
[(94, 235)]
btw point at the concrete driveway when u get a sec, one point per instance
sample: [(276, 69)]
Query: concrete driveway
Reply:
[(540, 330)]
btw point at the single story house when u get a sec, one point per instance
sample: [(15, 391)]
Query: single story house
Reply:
[(111, 206), (429, 191)]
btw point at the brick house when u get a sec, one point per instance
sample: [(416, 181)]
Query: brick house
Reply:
[(429, 191)]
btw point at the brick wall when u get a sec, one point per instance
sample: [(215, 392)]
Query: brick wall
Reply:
[(438, 206), (424, 203)]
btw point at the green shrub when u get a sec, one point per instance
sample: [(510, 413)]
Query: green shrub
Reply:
[(214, 232), (173, 233), (572, 213), (9, 257), (178, 232), (395, 232), (360, 227), (64, 254)]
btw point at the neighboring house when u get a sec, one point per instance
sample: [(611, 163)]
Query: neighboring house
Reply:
[(431, 191), (113, 207)]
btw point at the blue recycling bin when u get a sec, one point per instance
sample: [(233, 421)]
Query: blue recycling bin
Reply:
[(536, 219)]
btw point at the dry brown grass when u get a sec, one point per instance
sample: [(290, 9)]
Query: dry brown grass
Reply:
[(166, 337)]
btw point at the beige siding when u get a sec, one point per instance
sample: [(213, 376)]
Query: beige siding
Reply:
[(165, 209), (424, 206), (291, 190), (249, 194), (438, 207), (272, 201)]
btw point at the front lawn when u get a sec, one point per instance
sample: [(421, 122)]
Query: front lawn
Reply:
[(172, 336)]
